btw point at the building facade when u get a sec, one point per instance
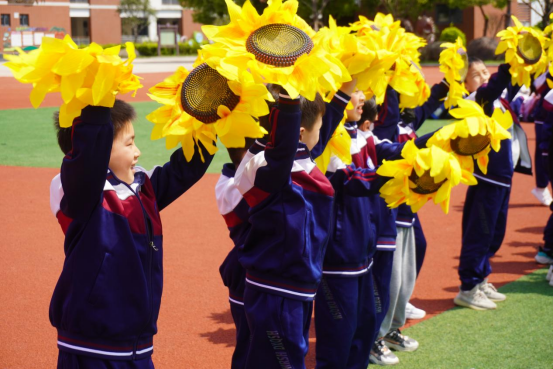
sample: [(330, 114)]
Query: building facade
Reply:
[(85, 20)]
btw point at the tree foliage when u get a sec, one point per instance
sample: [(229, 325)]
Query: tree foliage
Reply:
[(136, 13), (315, 12), (500, 4), (542, 8)]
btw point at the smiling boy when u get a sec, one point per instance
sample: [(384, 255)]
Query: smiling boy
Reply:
[(106, 302)]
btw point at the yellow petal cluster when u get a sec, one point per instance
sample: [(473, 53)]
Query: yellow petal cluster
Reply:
[(173, 123), (548, 32), (451, 63), (430, 164), (342, 44), (474, 122), (397, 61), (89, 76), (339, 145), (521, 72), (229, 55)]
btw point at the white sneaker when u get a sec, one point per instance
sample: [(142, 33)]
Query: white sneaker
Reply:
[(491, 292), (543, 195), (549, 273), (474, 299), (382, 355), (397, 341), (542, 257), (411, 312)]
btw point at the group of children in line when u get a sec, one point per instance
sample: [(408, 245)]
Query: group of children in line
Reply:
[(304, 240)]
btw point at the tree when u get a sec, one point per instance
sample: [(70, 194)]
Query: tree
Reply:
[(500, 4), (136, 14), (407, 9), (542, 8), (315, 12)]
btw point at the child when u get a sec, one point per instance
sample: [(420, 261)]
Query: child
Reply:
[(234, 210), (404, 268), (344, 307), (290, 205), (486, 204), (383, 219), (107, 299), (345, 313), (541, 191)]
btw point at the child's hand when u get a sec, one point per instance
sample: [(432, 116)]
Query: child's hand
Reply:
[(349, 87)]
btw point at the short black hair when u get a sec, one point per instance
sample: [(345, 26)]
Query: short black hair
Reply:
[(474, 60), (236, 154), (311, 110), (121, 114), (369, 111)]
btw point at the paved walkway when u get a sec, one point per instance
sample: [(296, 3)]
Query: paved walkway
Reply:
[(161, 64)]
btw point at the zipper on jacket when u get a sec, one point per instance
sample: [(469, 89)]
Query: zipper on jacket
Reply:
[(152, 246)]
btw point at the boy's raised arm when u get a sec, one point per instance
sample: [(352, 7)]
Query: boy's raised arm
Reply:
[(488, 93), (177, 175), (333, 116), (437, 94), (388, 115), (271, 172), (84, 168)]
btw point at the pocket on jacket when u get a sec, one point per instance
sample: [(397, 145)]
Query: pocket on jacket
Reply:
[(101, 280)]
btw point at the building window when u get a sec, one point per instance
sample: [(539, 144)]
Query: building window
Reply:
[(6, 20), (170, 2), (24, 20), (80, 31)]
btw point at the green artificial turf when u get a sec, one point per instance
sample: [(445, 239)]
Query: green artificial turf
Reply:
[(28, 138), (519, 334)]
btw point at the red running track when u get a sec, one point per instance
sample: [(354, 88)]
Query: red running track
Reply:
[(195, 324)]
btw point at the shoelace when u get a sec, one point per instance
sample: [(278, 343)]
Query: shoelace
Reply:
[(480, 295), (490, 286), (396, 335)]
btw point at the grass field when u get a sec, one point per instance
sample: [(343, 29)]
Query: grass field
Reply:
[(464, 338), (27, 138)]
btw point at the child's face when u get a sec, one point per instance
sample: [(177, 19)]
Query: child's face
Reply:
[(477, 75), (357, 100), (124, 154), (310, 138)]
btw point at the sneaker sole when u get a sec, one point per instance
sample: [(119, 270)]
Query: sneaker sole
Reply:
[(400, 348), (415, 317), (497, 300), (376, 362), (470, 306)]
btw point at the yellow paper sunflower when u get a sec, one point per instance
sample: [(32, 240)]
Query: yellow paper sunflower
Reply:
[(397, 61), (276, 47), (474, 136), (422, 175), (89, 76), (342, 44), (339, 145), (454, 65), (523, 48), (212, 106), (548, 32)]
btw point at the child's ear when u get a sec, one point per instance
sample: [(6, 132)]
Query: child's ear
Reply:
[(301, 133)]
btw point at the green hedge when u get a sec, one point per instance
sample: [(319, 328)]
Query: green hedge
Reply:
[(150, 48), (450, 34)]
